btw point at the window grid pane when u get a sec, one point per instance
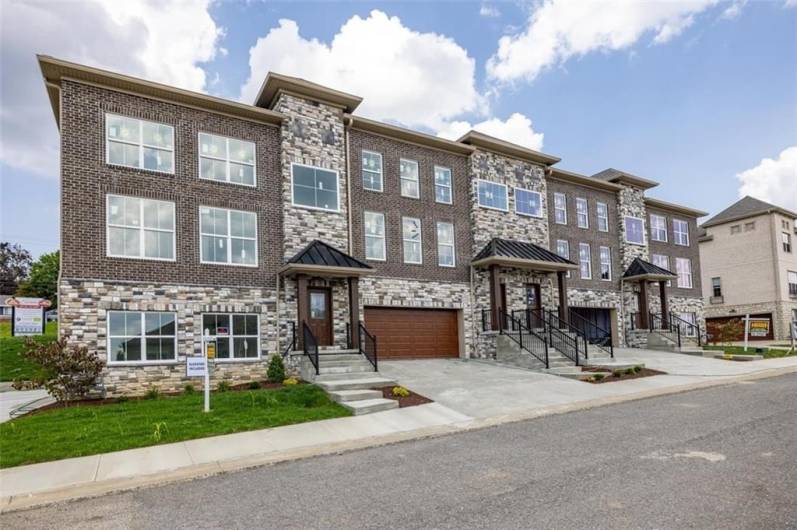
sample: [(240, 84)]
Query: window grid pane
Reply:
[(139, 143), (228, 236), (442, 185), (140, 228), (315, 188), (372, 171), (408, 171), (492, 195), (528, 202), (582, 213), (603, 217), (141, 336), (445, 244), (411, 235), (236, 335), (585, 261), (374, 236), (560, 208), (226, 159)]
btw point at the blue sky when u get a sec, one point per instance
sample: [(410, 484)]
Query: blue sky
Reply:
[(690, 94)]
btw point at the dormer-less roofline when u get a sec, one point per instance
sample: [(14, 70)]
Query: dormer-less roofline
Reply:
[(664, 205), (583, 180), (275, 84), (622, 177), (408, 135), (491, 143)]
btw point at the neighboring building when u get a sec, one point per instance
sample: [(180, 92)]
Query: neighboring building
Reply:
[(188, 218), (749, 263), (5, 309)]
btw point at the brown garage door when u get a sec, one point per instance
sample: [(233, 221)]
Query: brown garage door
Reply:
[(714, 325), (413, 333)]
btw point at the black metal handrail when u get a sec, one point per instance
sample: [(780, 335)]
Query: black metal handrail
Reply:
[(292, 344), (601, 338), (310, 345), (693, 330), (657, 324), (558, 339), (368, 345), (534, 344)]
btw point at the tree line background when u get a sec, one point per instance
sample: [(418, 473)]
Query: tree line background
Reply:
[(21, 276)]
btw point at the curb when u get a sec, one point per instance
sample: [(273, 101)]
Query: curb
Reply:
[(96, 489)]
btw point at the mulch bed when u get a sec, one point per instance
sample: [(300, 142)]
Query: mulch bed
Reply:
[(645, 372), (409, 401)]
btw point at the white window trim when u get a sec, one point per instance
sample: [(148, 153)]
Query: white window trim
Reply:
[(226, 160), (562, 209), (381, 171), (140, 145), (141, 229), (229, 238), (316, 208), (676, 232), (667, 266), (450, 185), (417, 178), (539, 196), (567, 244), (453, 244), (585, 202), (625, 230), (602, 263), (143, 337), (602, 217), (653, 228), (230, 337), (506, 193), (687, 274), (384, 236), (420, 241), (588, 262)]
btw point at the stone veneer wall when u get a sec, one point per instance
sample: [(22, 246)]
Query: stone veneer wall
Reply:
[(84, 305), (631, 202), (289, 311)]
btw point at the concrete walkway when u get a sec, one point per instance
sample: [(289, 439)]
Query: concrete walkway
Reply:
[(12, 399)]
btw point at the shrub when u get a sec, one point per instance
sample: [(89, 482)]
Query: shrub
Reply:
[(598, 377), (276, 369), (290, 381), (254, 385), (617, 373), (152, 393), (223, 386), (189, 389), (629, 371), (637, 369), (400, 391), (71, 371)]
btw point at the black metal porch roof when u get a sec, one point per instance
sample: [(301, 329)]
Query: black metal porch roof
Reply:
[(642, 268), (322, 254), (506, 248)]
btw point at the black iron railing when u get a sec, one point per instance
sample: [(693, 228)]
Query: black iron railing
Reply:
[(368, 345), (310, 346), (527, 339), (292, 342), (686, 328), (593, 333), (564, 343), (532, 319)]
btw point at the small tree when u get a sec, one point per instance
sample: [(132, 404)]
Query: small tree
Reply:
[(276, 369), (43, 279), (14, 266), (726, 333), (71, 371)]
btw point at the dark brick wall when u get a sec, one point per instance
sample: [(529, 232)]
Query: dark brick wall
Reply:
[(575, 235), (394, 206), (86, 179), (678, 251)]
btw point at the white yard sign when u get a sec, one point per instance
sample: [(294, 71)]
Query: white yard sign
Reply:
[(27, 315), (196, 366)]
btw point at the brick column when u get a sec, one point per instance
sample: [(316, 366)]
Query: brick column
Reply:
[(354, 311)]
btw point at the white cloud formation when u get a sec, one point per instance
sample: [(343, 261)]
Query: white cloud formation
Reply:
[(773, 180), (489, 11), (558, 30), (734, 9), (163, 41), (417, 79), (516, 129)]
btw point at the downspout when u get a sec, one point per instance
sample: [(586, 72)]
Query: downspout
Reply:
[(347, 127), (621, 323)]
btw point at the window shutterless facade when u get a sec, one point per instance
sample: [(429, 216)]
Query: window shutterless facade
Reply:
[(786, 239), (634, 230), (442, 185), (375, 236), (445, 244), (585, 261), (410, 179), (683, 268), (226, 159), (138, 143), (606, 263), (662, 261), (227, 237), (315, 188), (716, 287), (560, 208), (582, 212), (373, 179), (603, 216), (680, 231), (141, 337), (528, 202), (411, 238), (491, 195), (237, 335), (139, 228), (563, 250), (658, 228), (792, 280)]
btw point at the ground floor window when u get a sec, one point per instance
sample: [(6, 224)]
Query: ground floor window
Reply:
[(237, 336), (141, 337), (692, 319)]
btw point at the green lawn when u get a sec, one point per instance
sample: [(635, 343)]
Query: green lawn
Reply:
[(87, 430), (768, 353), (12, 364)]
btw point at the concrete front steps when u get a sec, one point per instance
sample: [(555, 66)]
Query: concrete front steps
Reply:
[(663, 341)]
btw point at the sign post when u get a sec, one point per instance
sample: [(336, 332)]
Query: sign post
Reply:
[(793, 335), (210, 353), (746, 330)]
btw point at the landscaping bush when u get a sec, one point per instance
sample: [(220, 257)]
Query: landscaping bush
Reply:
[(223, 386), (290, 381), (152, 393), (629, 371), (254, 385), (637, 369), (70, 372), (189, 389), (276, 369), (598, 377), (400, 391), (617, 373)]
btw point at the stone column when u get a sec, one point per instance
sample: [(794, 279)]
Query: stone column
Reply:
[(496, 305), (564, 312), (354, 311), (301, 307), (643, 304), (665, 306)]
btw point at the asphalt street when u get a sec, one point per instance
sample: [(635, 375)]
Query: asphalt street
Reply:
[(724, 457)]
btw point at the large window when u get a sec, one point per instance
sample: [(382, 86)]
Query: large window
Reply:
[(716, 287), (786, 238), (634, 230), (228, 236), (585, 261), (237, 335), (410, 181), (442, 185), (658, 227), (138, 143), (560, 208), (226, 159), (375, 236), (141, 337), (411, 237), (792, 280), (372, 171), (563, 250), (683, 268), (140, 228), (680, 230), (582, 212), (606, 263), (603, 217), (528, 202), (492, 195), (445, 244), (314, 187), (662, 261)]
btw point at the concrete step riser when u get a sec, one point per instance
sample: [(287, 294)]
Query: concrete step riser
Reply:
[(330, 370), (370, 406), (355, 384), (343, 376), (347, 396)]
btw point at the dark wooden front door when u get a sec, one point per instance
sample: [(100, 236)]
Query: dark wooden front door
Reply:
[(320, 314), (533, 305)]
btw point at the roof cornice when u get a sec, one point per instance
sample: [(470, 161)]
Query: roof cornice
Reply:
[(768, 211), (496, 145), (664, 205), (582, 180), (408, 135), (275, 84)]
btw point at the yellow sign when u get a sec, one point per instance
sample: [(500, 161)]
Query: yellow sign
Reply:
[(210, 349), (759, 328)]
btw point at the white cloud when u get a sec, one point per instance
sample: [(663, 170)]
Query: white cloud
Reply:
[(162, 41), (790, 3), (489, 11), (558, 30), (417, 79), (734, 9), (516, 129), (773, 180)]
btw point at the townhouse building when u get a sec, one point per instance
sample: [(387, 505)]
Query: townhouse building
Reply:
[(264, 228)]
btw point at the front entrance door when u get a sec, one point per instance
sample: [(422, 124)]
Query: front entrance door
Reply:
[(533, 305), (504, 308), (320, 314)]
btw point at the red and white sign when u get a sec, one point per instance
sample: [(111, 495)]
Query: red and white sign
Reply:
[(28, 315)]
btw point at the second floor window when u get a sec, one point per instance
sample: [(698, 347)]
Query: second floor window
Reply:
[(528, 202), (603, 216), (227, 236), (442, 185), (226, 159), (683, 268), (792, 280), (140, 228), (410, 184), (634, 230), (786, 241), (606, 263), (563, 250), (492, 195), (372, 171), (658, 228), (314, 187), (139, 143), (585, 261), (716, 287), (560, 208), (680, 232), (411, 237), (662, 261), (582, 212), (375, 236), (445, 244)]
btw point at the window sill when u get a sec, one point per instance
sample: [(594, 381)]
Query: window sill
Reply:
[(141, 364)]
